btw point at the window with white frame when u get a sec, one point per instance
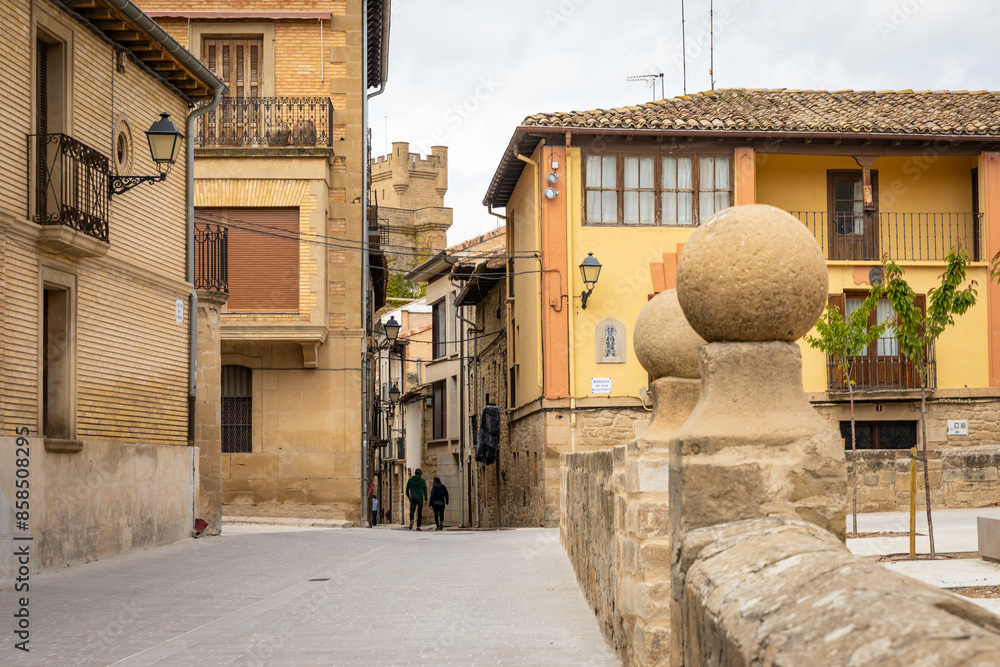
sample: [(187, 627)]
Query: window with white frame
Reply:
[(679, 190)]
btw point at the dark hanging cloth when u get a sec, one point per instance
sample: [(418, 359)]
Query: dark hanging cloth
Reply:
[(488, 440)]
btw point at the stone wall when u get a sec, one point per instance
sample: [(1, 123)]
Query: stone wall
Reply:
[(779, 591), (588, 532), (960, 478)]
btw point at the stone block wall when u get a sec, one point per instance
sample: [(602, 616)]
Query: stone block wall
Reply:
[(590, 534), (780, 591), (966, 477)]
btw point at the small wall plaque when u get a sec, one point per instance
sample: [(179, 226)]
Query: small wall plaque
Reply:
[(600, 385), (958, 427)]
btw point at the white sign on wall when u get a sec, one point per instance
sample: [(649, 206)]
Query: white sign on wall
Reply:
[(179, 311), (958, 427), (600, 385)]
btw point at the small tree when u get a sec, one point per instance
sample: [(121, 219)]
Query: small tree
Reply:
[(843, 340), (916, 331)]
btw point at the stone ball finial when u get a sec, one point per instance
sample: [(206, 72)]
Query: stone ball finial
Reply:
[(752, 273), (664, 342)]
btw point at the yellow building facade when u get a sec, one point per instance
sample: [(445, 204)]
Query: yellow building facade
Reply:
[(282, 167), (629, 185), (94, 299)]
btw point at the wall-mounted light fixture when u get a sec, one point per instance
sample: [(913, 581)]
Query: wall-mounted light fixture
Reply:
[(552, 179), (391, 329), (550, 193), (165, 142), (394, 393), (389, 419), (590, 269)]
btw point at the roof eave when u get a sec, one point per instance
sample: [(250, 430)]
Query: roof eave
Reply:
[(510, 163)]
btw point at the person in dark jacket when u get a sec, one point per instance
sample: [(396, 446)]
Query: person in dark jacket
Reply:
[(439, 498), (416, 491)]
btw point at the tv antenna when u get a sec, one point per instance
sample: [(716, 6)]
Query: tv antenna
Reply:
[(711, 48), (650, 80), (684, 53)]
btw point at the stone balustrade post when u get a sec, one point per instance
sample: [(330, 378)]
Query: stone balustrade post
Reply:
[(751, 281), (667, 347)]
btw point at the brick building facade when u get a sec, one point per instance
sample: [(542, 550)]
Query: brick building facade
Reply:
[(282, 166), (94, 310)]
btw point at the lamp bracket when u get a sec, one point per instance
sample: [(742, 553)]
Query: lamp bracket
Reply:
[(118, 185), (584, 296)]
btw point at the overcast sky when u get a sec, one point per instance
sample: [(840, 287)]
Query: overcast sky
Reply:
[(464, 73)]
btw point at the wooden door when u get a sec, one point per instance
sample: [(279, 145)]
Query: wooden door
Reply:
[(238, 62), (853, 229)]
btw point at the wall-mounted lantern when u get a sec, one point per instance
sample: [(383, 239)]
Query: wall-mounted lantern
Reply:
[(391, 329), (165, 143), (590, 269)]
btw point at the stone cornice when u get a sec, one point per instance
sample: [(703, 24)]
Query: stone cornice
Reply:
[(274, 333)]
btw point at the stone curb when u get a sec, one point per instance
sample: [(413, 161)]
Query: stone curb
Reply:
[(281, 521)]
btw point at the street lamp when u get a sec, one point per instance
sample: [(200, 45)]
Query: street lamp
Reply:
[(389, 419), (391, 329), (394, 393), (165, 142), (590, 269)]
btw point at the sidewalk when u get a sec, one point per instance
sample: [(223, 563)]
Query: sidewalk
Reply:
[(954, 532)]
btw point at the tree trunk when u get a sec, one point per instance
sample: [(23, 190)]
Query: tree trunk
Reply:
[(854, 453), (927, 475)]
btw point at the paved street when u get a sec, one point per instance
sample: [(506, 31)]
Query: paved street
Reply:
[(257, 596)]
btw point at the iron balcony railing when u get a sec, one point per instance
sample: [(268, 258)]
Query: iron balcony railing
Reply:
[(267, 122), (211, 258), (867, 236), (70, 184), (883, 368)]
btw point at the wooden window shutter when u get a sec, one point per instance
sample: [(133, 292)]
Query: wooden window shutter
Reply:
[(237, 62), (263, 257), (839, 301)]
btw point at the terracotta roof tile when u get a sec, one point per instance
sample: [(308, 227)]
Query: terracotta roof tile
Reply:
[(842, 111)]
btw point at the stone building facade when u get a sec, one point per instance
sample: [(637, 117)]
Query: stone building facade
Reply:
[(408, 192), (95, 319), (282, 166)]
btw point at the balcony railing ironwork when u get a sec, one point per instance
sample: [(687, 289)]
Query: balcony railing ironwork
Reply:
[(211, 258), (884, 368), (267, 122), (867, 236), (70, 184)]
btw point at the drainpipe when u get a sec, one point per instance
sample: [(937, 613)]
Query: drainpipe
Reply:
[(365, 271), (193, 353), (219, 88), (540, 357), (571, 348)]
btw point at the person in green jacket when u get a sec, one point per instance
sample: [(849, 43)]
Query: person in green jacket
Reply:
[(416, 491)]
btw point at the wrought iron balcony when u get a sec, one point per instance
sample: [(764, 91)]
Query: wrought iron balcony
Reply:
[(883, 368), (267, 122), (867, 236), (70, 184), (211, 258)]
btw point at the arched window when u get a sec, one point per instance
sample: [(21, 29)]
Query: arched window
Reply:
[(237, 423)]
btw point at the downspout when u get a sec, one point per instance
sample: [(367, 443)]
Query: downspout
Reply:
[(198, 69), (365, 272), (193, 342), (571, 349), (463, 417), (541, 301)]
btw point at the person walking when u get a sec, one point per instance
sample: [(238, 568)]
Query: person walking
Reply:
[(374, 510), (439, 498), (416, 491)]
